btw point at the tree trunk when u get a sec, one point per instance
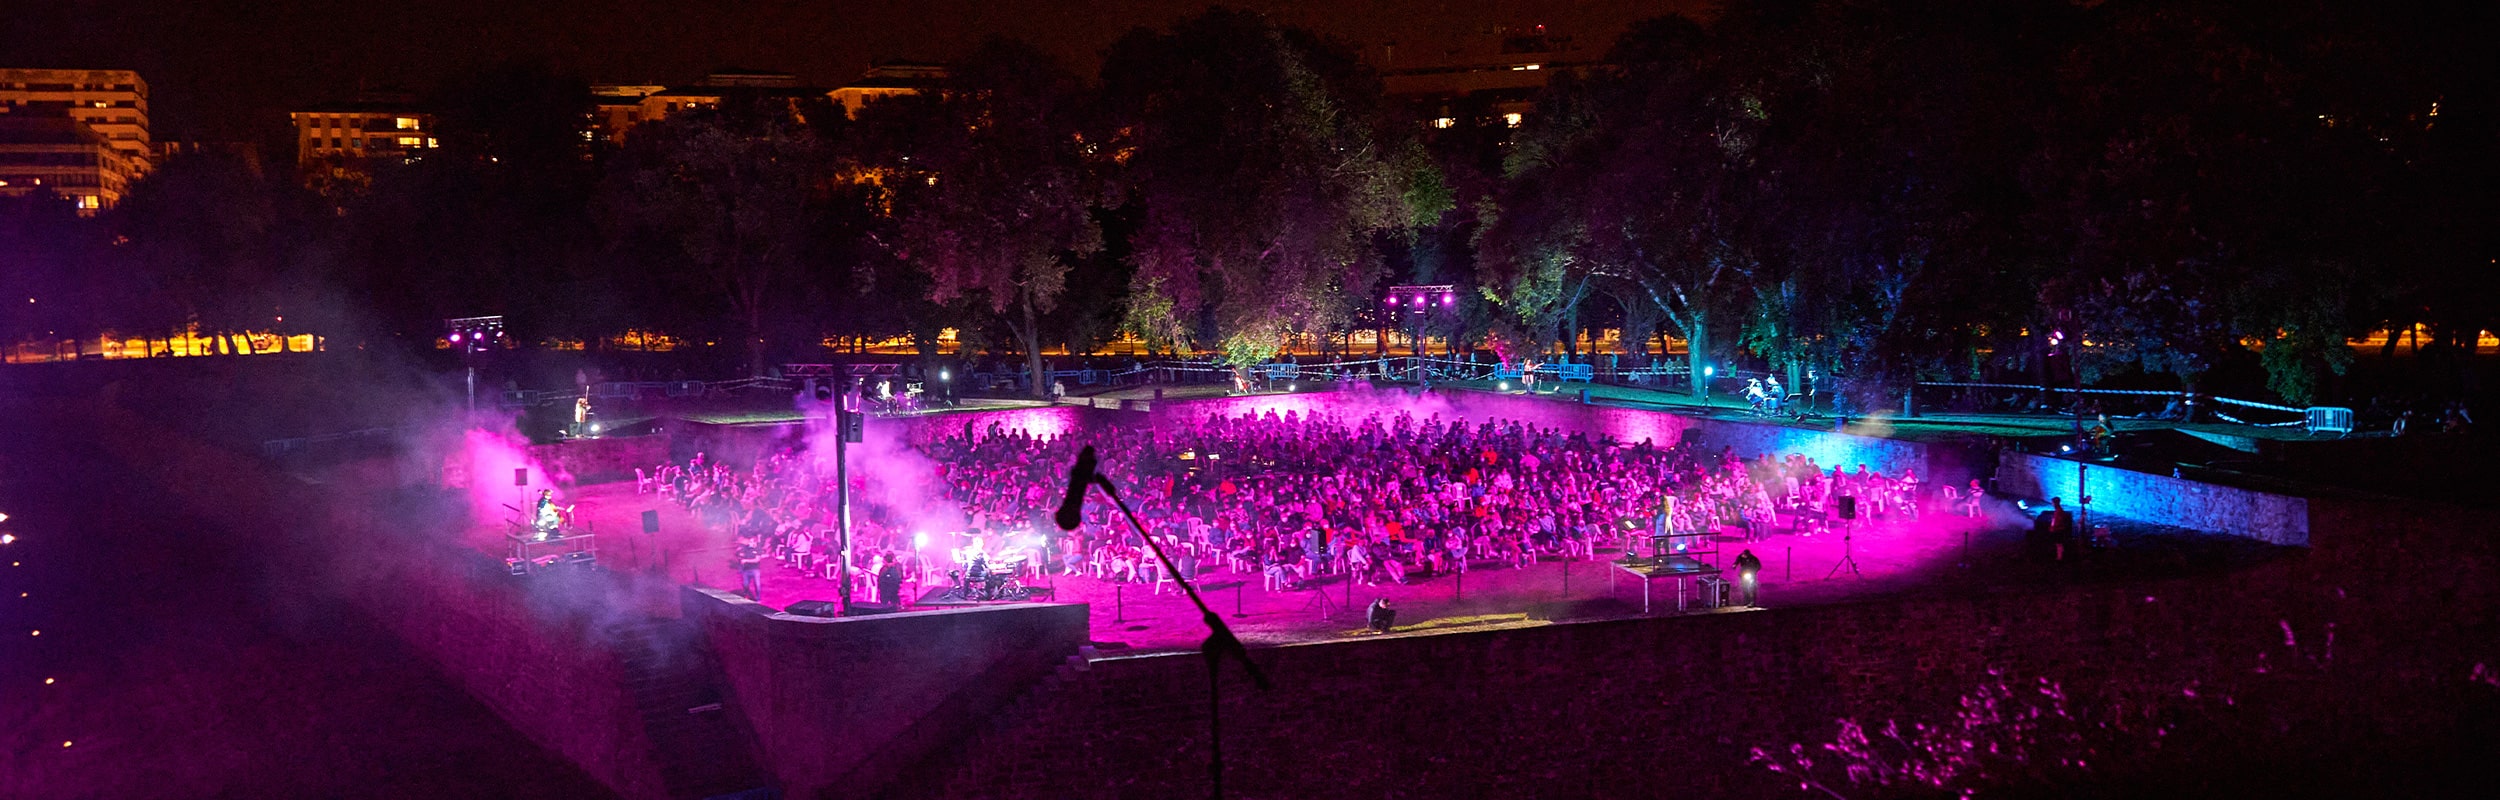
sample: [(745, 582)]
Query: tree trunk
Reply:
[(1031, 335), (1697, 351), (755, 341)]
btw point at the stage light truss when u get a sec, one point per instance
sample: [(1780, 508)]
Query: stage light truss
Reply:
[(1419, 298), (473, 334)]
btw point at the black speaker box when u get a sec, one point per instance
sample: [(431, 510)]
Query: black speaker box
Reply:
[(1848, 507), (650, 522), (814, 608)]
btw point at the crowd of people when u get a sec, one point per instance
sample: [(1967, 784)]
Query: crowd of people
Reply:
[(1285, 497)]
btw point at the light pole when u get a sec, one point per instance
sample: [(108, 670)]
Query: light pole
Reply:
[(471, 335)]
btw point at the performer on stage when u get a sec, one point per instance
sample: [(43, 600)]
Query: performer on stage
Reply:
[(548, 517)]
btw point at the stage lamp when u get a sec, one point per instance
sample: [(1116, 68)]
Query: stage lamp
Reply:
[(8, 538), (919, 540), (943, 375), (1505, 386), (1709, 370), (594, 429), (455, 338), (824, 391), (1293, 387), (2065, 448)]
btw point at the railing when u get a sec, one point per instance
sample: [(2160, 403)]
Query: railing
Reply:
[(274, 448), (636, 390)]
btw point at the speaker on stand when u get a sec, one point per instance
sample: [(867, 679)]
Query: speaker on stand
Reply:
[(1847, 505)]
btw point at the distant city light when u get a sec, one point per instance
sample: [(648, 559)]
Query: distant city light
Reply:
[(6, 538), (1444, 122), (1513, 119)]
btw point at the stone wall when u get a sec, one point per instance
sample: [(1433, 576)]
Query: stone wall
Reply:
[(1750, 438), (2304, 666), (2266, 517), (539, 663), (841, 707), (533, 658), (578, 462)]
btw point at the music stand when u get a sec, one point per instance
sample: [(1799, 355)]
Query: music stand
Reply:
[(1319, 597)]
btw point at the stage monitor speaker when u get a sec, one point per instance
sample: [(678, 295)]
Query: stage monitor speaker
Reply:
[(872, 609), (520, 476), (814, 608), (1848, 507), (651, 522)]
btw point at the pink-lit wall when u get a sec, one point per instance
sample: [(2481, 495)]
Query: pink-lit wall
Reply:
[(1631, 425), (844, 707)]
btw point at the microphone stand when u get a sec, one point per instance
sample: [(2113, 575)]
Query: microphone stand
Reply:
[(1219, 644)]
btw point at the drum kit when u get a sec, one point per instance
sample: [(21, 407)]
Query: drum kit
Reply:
[(979, 576)]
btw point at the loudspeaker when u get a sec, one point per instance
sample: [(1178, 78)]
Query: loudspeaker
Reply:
[(1848, 507), (814, 608), (520, 476), (651, 522), (872, 609)]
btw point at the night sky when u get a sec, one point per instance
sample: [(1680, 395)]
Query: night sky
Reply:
[(231, 69)]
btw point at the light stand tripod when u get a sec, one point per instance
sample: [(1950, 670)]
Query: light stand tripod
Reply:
[(1220, 640)]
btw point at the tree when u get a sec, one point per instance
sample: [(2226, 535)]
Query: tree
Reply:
[(1257, 155), (736, 206), (994, 182), (1630, 177)]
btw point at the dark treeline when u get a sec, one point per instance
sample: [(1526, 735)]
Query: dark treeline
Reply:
[(2158, 193)]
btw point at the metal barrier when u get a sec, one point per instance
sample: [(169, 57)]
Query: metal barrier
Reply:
[(2330, 419)]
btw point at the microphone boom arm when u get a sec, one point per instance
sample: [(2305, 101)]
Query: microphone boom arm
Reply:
[(1220, 639)]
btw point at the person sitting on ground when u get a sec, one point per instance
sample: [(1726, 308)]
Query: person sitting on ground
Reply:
[(1380, 616)]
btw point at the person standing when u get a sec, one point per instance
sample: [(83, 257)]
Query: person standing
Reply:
[(890, 581), (750, 563), (1748, 577)]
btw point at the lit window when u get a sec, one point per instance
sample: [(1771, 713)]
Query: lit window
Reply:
[(1523, 67), (410, 141), (90, 202), (406, 123), (1512, 119), (1444, 122)]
